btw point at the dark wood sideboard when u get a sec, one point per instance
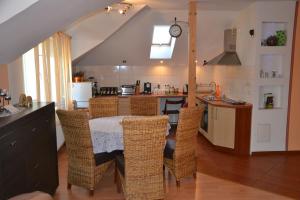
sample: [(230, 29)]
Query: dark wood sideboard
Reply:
[(28, 155)]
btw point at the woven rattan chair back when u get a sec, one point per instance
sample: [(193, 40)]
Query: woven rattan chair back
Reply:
[(144, 141), (186, 137), (82, 169), (103, 107), (143, 106)]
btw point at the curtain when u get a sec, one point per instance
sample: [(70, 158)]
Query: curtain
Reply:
[(53, 71)]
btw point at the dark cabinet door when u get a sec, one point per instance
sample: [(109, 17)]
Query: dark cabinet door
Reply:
[(42, 162), (12, 165)]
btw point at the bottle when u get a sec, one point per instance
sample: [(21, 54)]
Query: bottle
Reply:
[(218, 91)]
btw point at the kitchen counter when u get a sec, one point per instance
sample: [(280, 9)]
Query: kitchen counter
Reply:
[(152, 95), (221, 103), (157, 95)]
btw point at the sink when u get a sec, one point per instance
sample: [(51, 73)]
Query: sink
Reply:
[(209, 98)]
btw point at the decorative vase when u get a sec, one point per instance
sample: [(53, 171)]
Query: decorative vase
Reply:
[(272, 41), (281, 38)]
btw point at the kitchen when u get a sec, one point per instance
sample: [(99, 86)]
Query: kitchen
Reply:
[(238, 82)]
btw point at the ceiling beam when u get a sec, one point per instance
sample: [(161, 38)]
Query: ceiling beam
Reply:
[(192, 53)]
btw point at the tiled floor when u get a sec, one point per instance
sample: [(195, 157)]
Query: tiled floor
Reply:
[(220, 176)]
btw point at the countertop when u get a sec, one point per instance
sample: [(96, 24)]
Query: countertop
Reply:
[(153, 95), (5, 122), (220, 103)]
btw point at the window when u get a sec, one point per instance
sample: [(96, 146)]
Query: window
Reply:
[(30, 78), (162, 43), (29, 74)]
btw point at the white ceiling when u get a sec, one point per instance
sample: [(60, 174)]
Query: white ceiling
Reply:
[(39, 21), (232, 5), (9, 8)]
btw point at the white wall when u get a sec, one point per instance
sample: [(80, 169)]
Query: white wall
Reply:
[(133, 41), (16, 80)]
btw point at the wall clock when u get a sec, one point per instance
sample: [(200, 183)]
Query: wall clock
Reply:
[(175, 30)]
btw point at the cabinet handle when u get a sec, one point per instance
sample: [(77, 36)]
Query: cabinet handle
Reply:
[(13, 144), (33, 130), (47, 120)]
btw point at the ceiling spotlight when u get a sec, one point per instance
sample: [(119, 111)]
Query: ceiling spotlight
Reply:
[(108, 9), (121, 8)]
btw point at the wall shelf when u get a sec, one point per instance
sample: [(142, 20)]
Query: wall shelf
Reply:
[(275, 91), (271, 66), (270, 29)]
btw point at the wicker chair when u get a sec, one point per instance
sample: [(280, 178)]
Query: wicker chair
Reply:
[(140, 170), (103, 107), (179, 154), (82, 169), (143, 106)]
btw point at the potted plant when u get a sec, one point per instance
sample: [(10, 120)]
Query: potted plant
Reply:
[(78, 76)]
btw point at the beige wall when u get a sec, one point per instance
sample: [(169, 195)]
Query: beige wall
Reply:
[(294, 125), (3, 77)]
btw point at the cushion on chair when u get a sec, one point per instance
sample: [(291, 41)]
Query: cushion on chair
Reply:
[(169, 148), (101, 158), (33, 196), (120, 164)]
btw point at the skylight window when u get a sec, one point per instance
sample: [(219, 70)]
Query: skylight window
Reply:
[(162, 43), (161, 35)]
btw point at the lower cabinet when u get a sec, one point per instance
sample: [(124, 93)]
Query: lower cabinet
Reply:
[(28, 155), (228, 127), (124, 106), (222, 127)]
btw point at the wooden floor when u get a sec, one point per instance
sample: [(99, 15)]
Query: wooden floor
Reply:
[(219, 176)]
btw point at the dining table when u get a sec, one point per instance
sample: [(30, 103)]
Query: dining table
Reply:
[(107, 133)]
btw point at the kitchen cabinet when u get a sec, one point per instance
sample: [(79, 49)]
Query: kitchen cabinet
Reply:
[(228, 127), (124, 106), (28, 156), (222, 126)]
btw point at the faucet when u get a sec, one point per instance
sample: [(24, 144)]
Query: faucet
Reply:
[(213, 85)]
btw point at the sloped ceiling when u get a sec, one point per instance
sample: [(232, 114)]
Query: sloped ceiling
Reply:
[(133, 41), (232, 5), (93, 30), (9, 8), (39, 21)]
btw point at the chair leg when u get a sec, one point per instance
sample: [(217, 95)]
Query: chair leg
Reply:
[(177, 183), (91, 192), (118, 182), (69, 186), (116, 173), (195, 175)]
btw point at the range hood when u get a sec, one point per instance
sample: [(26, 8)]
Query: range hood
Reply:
[(229, 56)]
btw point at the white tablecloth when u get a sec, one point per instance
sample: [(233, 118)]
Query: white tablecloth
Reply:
[(107, 133)]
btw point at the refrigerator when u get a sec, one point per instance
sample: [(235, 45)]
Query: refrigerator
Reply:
[(81, 93)]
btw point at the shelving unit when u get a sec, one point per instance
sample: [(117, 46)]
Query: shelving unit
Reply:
[(272, 59)]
